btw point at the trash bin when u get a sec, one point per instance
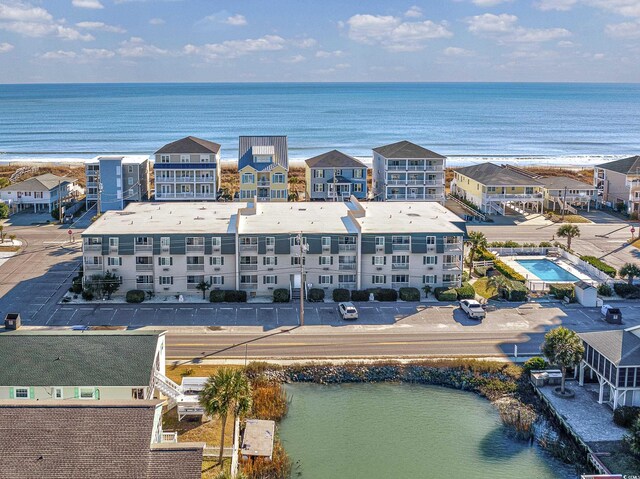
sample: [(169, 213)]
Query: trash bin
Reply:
[(12, 321), (613, 316)]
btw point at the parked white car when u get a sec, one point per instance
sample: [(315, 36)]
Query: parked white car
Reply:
[(473, 309), (347, 311)]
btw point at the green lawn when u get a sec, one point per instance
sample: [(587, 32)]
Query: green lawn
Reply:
[(483, 289)]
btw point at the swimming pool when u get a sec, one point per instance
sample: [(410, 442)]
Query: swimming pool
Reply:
[(546, 270)]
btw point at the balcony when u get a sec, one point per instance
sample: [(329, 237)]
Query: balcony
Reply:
[(92, 247), (248, 267), (144, 267), (264, 198), (92, 267), (145, 286), (520, 196), (187, 195), (245, 286), (92, 184), (143, 248), (396, 182), (400, 247), (433, 197), (400, 285), (451, 266), (264, 183), (249, 247), (346, 247), (400, 266), (195, 267), (347, 285), (194, 248), (453, 246), (347, 266)]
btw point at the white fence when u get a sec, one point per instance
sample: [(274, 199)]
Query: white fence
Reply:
[(586, 267), (524, 250)]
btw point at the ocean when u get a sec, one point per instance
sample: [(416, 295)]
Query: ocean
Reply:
[(562, 123)]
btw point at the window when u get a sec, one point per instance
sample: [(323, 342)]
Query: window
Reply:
[(347, 278), (144, 279), (58, 393), (165, 261), (400, 240), (325, 260), (271, 279), (451, 259), (326, 279), (195, 279), (144, 260), (247, 178), (378, 260), (278, 194), (114, 261), (137, 393), (96, 260), (270, 261), (130, 168), (192, 260), (262, 158), (204, 158), (429, 260), (295, 241), (357, 187), (431, 240), (295, 260), (318, 187), (130, 181), (400, 278), (216, 280), (430, 279), (450, 278), (378, 279), (326, 242), (143, 241), (318, 173), (22, 393), (93, 240), (379, 240), (184, 158), (270, 241), (195, 241), (165, 159), (165, 242), (249, 279), (216, 242), (337, 172), (216, 261), (400, 259), (244, 260), (278, 178), (358, 173), (113, 242), (87, 393), (249, 241), (165, 280)]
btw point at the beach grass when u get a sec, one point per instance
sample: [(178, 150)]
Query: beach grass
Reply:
[(557, 218)]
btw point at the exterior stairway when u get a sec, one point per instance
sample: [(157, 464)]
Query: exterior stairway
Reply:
[(167, 387)]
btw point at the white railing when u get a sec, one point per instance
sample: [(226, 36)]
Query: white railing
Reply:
[(160, 195), (399, 285), (169, 436), (453, 246), (142, 248), (194, 249), (532, 196), (399, 265), (347, 266), (145, 286), (248, 247), (248, 267), (416, 197), (346, 285), (92, 247), (144, 267), (524, 250), (346, 247), (264, 183), (400, 247), (248, 285), (396, 182), (451, 266), (195, 267), (92, 266)]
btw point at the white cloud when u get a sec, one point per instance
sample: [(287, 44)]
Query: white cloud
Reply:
[(413, 12), (623, 30), (304, 42), (86, 55), (326, 54), (457, 52), (6, 47), (95, 4), (136, 47), (505, 28), (156, 21), (236, 20), (295, 59), (627, 8), (59, 55), (103, 27), (566, 44), (488, 3), (30, 21), (237, 48), (558, 5), (394, 34)]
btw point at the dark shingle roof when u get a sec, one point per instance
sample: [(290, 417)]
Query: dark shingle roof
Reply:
[(45, 182), (406, 149), (559, 182), (494, 175), (334, 159), (97, 439), (245, 155), (70, 358), (625, 166), (620, 347), (190, 144)]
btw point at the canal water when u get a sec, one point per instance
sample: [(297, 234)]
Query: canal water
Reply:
[(381, 431)]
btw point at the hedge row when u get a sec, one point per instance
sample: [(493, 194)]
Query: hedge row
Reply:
[(508, 271), (601, 265), (466, 291), (134, 296), (409, 294), (281, 295), (561, 290), (625, 290), (445, 294), (228, 296)]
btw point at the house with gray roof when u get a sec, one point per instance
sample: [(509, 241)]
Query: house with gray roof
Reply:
[(335, 176), (41, 193), (187, 170), (85, 365), (613, 359), (495, 188), (618, 184), (405, 171), (561, 192), (263, 166), (77, 439)]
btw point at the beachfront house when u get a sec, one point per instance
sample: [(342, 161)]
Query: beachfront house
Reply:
[(255, 247), (263, 167), (187, 169), (496, 189), (42, 193), (335, 176), (618, 184), (613, 359), (404, 171), (76, 439), (116, 180), (565, 193), (85, 365)]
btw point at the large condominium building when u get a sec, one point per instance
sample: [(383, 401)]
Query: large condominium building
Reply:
[(404, 171), (170, 248), (263, 166), (618, 184), (187, 169), (335, 176), (114, 181)]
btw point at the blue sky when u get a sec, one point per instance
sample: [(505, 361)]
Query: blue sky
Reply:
[(312, 40)]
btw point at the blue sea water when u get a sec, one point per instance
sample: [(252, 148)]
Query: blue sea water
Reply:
[(525, 120)]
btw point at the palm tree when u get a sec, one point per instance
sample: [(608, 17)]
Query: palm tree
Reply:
[(203, 286), (294, 183), (226, 392), (568, 231), (564, 348), (500, 283), (477, 242), (630, 270)]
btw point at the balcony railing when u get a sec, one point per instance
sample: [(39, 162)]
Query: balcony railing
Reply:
[(195, 267), (248, 285), (264, 183), (519, 196), (416, 197), (144, 267), (453, 246), (92, 266), (167, 436), (248, 267), (145, 286), (346, 285), (347, 266), (191, 195), (399, 265), (92, 247), (396, 182), (451, 266), (346, 247), (248, 247), (143, 248), (264, 198), (402, 284), (194, 248), (400, 247)]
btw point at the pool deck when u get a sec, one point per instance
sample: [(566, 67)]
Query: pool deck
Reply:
[(560, 262)]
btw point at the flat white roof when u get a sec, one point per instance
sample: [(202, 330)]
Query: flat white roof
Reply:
[(157, 218), (126, 159), (408, 217), (294, 217)]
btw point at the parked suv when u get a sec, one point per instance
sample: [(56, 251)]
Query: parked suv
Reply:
[(347, 311)]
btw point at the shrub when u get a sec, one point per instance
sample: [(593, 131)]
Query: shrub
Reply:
[(281, 295), (601, 265), (409, 294), (359, 295), (87, 294), (4, 211), (216, 296), (465, 276), (624, 416), (76, 286), (385, 294), (234, 296), (341, 295), (466, 291), (560, 290), (508, 271), (446, 294), (544, 244), (625, 290), (481, 270), (135, 296), (484, 255), (536, 362), (317, 294), (605, 290), (516, 292)]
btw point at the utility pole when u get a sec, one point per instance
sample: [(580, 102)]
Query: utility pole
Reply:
[(564, 203), (59, 204), (99, 188), (302, 279)]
